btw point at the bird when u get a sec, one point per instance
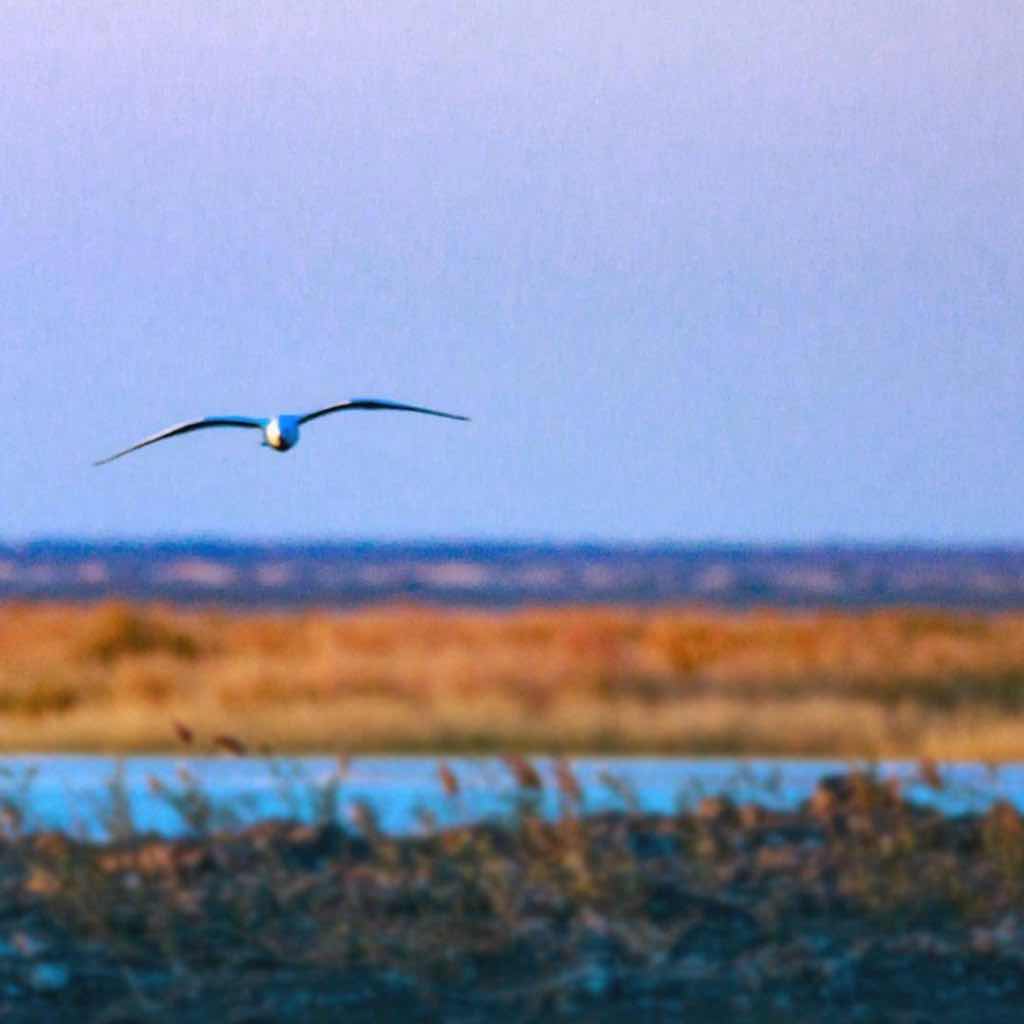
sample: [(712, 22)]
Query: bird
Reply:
[(280, 433)]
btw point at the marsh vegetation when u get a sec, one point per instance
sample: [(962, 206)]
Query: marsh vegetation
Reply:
[(856, 906), (116, 677), (857, 901)]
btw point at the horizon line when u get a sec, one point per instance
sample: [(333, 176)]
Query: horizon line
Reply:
[(497, 541)]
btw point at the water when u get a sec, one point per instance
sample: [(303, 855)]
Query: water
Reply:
[(92, 796)]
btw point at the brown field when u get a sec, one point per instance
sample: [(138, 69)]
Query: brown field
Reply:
[(116, 677)]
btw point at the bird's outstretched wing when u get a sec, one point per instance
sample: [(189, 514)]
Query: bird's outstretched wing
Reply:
[(187, 428), (377, 403)]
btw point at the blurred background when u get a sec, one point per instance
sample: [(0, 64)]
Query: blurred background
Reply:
[(730, 294), (685, 682)]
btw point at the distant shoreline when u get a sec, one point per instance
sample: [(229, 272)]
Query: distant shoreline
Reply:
[(495, 574)]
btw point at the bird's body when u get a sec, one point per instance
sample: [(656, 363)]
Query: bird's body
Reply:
[(281, 433)]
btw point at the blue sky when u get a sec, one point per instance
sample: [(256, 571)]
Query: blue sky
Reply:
[(745, 271)]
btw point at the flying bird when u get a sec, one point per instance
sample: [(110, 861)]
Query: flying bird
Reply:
[(279, 432)]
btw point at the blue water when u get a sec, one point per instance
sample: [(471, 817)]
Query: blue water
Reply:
[(93, 796)]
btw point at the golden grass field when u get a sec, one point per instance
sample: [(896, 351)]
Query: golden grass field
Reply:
[(117, 677)]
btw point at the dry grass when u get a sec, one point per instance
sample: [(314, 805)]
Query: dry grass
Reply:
[(115, 677), (850, 908)]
